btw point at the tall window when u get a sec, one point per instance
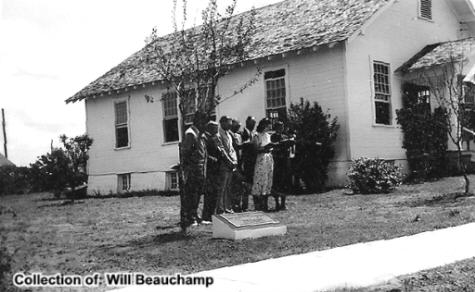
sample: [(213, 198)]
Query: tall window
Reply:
[(123, 182), (382, 93), (276, 108), (121, 125), (425, 9), (170, 117), (189, 107)]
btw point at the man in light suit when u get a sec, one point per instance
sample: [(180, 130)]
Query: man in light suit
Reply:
[(228, 164)]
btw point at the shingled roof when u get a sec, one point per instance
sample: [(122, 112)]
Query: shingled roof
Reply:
[(4, 161), (282, 27), (439, 54)]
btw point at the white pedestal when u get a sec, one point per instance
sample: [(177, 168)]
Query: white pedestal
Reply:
[(246, 225)]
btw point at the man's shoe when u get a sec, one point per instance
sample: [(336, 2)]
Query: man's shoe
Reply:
[(195, 223), (205, 222), (229, 211)]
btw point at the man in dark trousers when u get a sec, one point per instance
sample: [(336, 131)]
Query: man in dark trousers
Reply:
[(282, 180), (193, 152), (212, 171), (248, 159)]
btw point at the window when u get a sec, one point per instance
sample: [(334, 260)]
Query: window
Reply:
[(423, 100), (172, 181), (469, 93), (425, 9), (121, 125), (382, 93), (170, 117), (123, 182), (189, 107), (276, 108)]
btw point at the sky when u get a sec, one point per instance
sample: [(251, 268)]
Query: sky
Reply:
[(51, 49)]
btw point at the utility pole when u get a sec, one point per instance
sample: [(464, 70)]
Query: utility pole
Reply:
[(4, 134)]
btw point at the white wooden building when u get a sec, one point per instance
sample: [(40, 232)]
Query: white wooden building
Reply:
[(341, 53)]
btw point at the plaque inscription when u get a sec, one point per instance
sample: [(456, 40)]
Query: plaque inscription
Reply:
[(248, 219)]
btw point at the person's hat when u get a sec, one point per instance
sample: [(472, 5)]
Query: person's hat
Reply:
[(212, 123)]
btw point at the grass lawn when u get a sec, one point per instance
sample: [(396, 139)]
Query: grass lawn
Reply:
[(141, 233)]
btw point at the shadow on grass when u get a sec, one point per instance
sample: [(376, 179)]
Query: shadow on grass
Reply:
[(440, 200), (62, 203), (144, 193), (147, 241)]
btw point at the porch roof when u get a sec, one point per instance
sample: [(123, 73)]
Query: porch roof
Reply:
[(439, 54), (286, 26)]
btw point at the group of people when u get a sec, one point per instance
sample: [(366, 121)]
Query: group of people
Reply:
[(226, 165)]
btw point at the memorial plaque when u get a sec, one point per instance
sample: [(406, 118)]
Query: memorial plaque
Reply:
[(246, 225), (248, 219)]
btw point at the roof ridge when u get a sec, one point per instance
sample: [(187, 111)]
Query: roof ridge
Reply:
[(281, 27)]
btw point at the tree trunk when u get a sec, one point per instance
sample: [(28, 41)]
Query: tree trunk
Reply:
[(463, 169)]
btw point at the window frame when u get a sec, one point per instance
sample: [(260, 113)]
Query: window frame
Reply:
[(122, 125), (374, 93), (170, 117), (286, 88), (169, 184), (120, 182)]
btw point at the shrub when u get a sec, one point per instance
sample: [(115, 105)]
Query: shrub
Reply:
[(14, 180), (425, 135), (373, 176), (316, 134)]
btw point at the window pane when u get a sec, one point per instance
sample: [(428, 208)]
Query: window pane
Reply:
[(171, 130), (121, 113), (275, 93), (170, 105), (382, 113), (121, 136)]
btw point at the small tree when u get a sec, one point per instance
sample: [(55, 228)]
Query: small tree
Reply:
[(445, 82), (63, 167), (316, 134), (202, 55), (192, 61)]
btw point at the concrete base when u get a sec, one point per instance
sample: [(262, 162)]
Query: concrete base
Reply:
[(246, 225)]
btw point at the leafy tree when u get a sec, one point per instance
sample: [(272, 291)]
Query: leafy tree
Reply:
[(202, 55), (190, 62), (316, 133), (63, 167)]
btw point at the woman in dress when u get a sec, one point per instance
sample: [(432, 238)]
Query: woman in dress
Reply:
[(263, 171)]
